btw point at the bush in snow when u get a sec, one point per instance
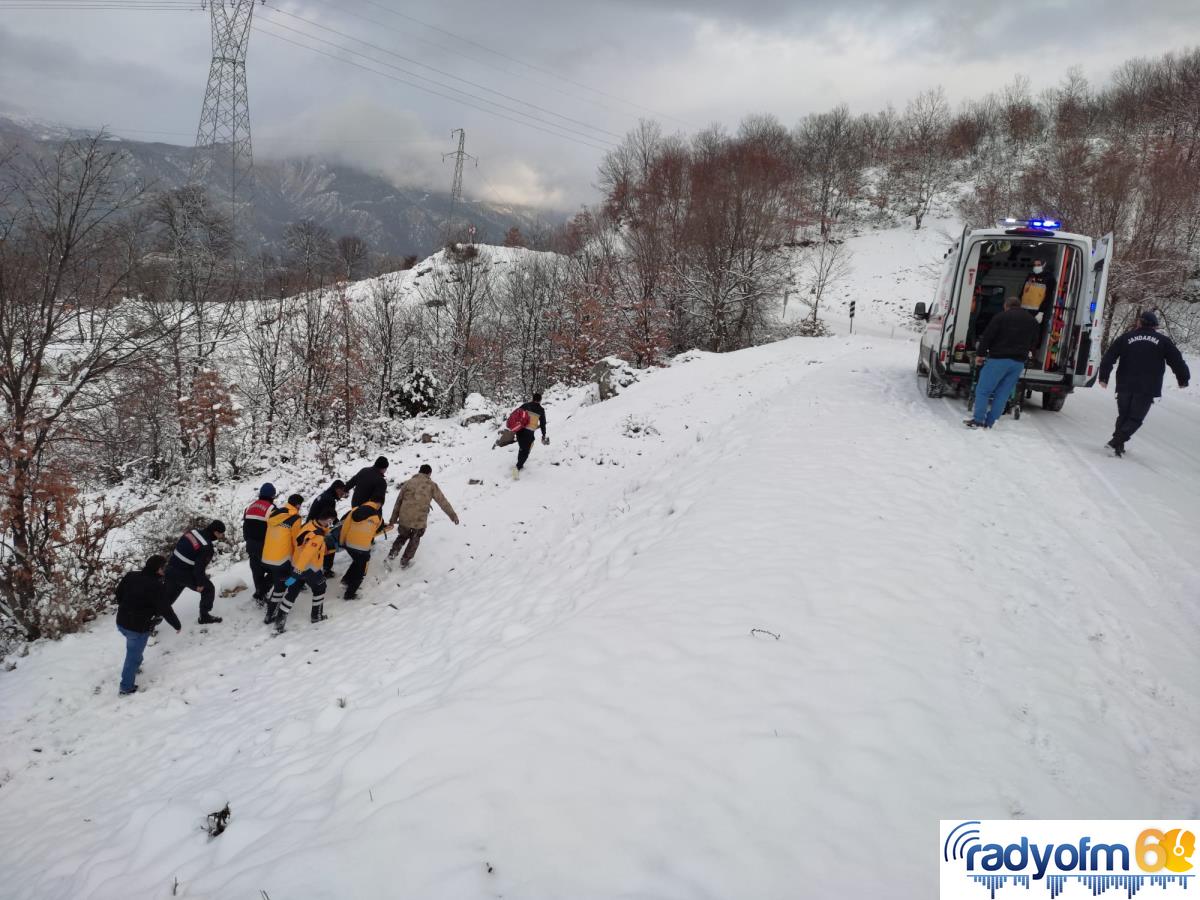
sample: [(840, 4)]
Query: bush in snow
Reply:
[(417, 393), (637, 426)]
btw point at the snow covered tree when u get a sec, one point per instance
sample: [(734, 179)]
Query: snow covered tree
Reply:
[(66, 257), (417, 393), (208, 410)]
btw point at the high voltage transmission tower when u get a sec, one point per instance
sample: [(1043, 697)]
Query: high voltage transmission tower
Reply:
[(456, 188), (223, 156)]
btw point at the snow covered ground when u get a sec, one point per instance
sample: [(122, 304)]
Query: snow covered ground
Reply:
[(746, 631)]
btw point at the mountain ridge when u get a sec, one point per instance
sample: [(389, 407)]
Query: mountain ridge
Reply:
[(343, 198)]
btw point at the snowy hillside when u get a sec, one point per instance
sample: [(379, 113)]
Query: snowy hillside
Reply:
[(727, 624)]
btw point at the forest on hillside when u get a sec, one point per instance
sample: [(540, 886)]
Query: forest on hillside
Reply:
[(138, 343)]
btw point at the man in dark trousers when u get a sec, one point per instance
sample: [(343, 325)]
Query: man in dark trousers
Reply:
[(368, 482), (1143, 355), (188, 565), (358, 533), (1006, 343), (141, 602), (526, 435), (326, 505), (254, 531)]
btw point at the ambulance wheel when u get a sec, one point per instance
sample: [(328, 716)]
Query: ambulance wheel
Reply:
[(1053, 402), (935, 388)]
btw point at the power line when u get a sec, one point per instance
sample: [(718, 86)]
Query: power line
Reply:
[(166, 5), (117, 131), (445, 73), (520, 112), (350, 62), (520, 62), (556, 88)]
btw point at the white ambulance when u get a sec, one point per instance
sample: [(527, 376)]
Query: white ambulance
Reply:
[(1061, 279)]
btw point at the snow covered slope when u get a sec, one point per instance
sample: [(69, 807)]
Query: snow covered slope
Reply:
[(567, 696)]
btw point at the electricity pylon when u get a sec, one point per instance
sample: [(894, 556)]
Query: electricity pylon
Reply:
[(223, 156), (456, 187)]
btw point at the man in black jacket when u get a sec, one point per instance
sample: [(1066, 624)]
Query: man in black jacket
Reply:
[(141, 602), (187, 568), (368, 481), (1006, 343), (1144, 354), (326, 505), (525, 437)]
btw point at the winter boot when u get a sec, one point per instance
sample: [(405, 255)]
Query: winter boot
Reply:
[(351, 595), (318, 613), (971, 423), (209, 619), (516, 474), (281, 622), (132, 690), (272, 608), (1117, 449), (405, 563)]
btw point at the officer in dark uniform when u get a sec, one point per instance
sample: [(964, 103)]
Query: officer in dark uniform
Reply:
[(1141, 356), (188, 565)]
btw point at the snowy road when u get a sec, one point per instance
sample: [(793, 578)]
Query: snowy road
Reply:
[(564, 698)]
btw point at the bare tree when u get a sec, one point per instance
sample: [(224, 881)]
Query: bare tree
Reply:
[(66, 257), (826, 263), (922, 167), (832, 156), (390, 331), (353, 253), (457, 298)]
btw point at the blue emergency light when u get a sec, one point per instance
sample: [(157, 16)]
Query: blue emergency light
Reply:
[(1018, 226)]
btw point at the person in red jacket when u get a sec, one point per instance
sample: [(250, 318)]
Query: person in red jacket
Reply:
[(534, 418), (254, 531)]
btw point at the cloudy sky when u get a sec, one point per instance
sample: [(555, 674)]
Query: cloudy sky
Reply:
[(546, 87)]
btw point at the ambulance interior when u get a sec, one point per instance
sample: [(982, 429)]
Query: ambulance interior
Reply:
[(1005, 267)]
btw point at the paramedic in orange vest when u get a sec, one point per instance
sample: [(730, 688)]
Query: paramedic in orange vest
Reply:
[(254, 531), (283, 525), (308, 563), (526, 435), (358, 531), (1037, 295)]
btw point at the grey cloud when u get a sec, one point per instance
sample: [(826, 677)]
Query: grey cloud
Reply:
[(698, 61)]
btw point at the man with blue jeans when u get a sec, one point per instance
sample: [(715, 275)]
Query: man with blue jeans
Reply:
[(1006, 343), (142, 602)]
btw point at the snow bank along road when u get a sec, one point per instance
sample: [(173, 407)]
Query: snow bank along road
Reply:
[(564, 698)]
